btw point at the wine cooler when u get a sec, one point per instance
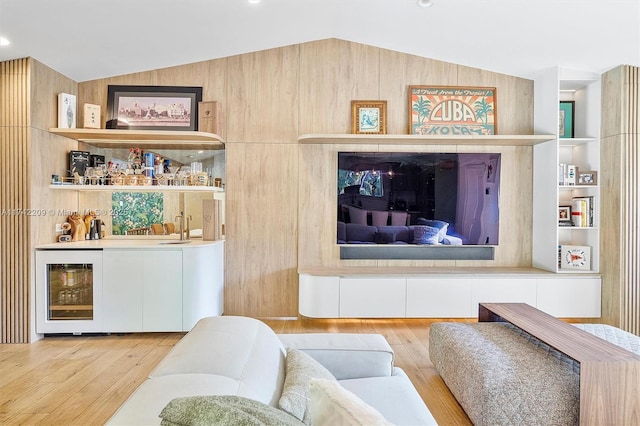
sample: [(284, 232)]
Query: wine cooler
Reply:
[(68, 291)]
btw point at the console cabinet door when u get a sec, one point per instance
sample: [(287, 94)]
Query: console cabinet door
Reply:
[(439, 298), (574, 297), (122, 290), (162, 290), (372, 297)]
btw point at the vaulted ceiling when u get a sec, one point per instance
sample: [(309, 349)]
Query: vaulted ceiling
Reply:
[(90, 39)]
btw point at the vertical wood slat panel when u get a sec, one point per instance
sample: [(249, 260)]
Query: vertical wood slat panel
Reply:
[(14, 228), (630, 315)]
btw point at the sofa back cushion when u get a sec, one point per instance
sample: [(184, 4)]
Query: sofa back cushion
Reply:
[(360, 233), (241, 348)]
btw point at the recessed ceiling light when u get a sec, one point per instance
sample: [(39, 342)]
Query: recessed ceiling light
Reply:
[(254, 1), (4, 41), (425, 3)]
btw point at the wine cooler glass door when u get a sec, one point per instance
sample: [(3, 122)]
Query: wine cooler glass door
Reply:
[(68, 291)]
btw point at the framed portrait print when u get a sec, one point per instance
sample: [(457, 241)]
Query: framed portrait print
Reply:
[(567, 116), (564, 215), (369, 117), (153, 107)]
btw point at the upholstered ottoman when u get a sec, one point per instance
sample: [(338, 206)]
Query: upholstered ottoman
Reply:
[(501, 375)]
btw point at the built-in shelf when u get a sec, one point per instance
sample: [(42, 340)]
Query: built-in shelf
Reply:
[(484, 140), (572, 187), (158, 139), (136, 188), (575, 141)]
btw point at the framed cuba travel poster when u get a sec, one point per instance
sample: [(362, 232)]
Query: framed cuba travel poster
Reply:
[(449, 110)]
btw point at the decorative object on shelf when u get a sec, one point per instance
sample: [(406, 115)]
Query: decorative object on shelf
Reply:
[(567, 174), (575, 257), (564, 216), (91, 116), (588, 178), (153, 107), (78, 162), (210, 118), (66, 111), (78, 228), (566, 120), (369, 117), (449, 110)]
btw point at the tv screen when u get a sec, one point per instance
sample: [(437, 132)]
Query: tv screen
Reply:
[(418, 198)]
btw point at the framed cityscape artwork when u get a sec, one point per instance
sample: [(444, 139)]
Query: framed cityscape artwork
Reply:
[(153, 107)]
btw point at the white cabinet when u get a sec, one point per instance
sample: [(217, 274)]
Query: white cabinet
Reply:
[(443, 296), (122, 290), (202, 283), (137, 286), (503, 290), (322, 296), (439, 298), (582, 150), (142, 290), (573, 297), (372, 297), (162, 290)]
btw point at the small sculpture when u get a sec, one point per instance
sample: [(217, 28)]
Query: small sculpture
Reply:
[(78, 228)]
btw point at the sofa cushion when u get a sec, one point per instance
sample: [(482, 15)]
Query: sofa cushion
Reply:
[(384, 237), (394, 397), (240, 348), (440, 224), (144, 406), (301, 368), (342, 233), (423, 234), (346, 355), (331, 404), (360, 233), (223, 410)]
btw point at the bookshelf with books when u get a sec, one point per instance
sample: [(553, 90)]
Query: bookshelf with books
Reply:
[(560, 244)]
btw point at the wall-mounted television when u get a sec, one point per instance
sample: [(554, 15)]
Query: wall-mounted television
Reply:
[(418, 198)]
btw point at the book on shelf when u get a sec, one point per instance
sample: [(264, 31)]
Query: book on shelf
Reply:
[(582, 211), (567, 174), (66, 111)]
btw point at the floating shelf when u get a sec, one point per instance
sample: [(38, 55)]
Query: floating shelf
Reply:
[(135, 188), (478, 140), (159, 139)]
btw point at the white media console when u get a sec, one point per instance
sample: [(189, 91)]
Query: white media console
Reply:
[(445, 293)]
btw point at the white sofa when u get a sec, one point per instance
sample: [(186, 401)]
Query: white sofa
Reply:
[(242, 356)]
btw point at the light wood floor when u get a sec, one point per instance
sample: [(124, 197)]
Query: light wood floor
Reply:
[(82, 380)]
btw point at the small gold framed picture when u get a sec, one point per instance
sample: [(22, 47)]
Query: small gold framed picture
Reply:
[(369, 117)]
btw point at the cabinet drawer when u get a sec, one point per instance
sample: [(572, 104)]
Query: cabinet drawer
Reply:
[(372, 297)]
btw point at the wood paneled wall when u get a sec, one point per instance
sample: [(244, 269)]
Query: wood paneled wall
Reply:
[(29, 154), (280, 205), (620, 211), (14, 198)]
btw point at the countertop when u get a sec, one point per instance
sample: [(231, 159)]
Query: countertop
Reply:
[(130, 242)]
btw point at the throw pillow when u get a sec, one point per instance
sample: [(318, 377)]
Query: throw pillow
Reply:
[(440, 224), (223, 410), (425, 235), (331, 404), (300, 368), (384, 237)]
